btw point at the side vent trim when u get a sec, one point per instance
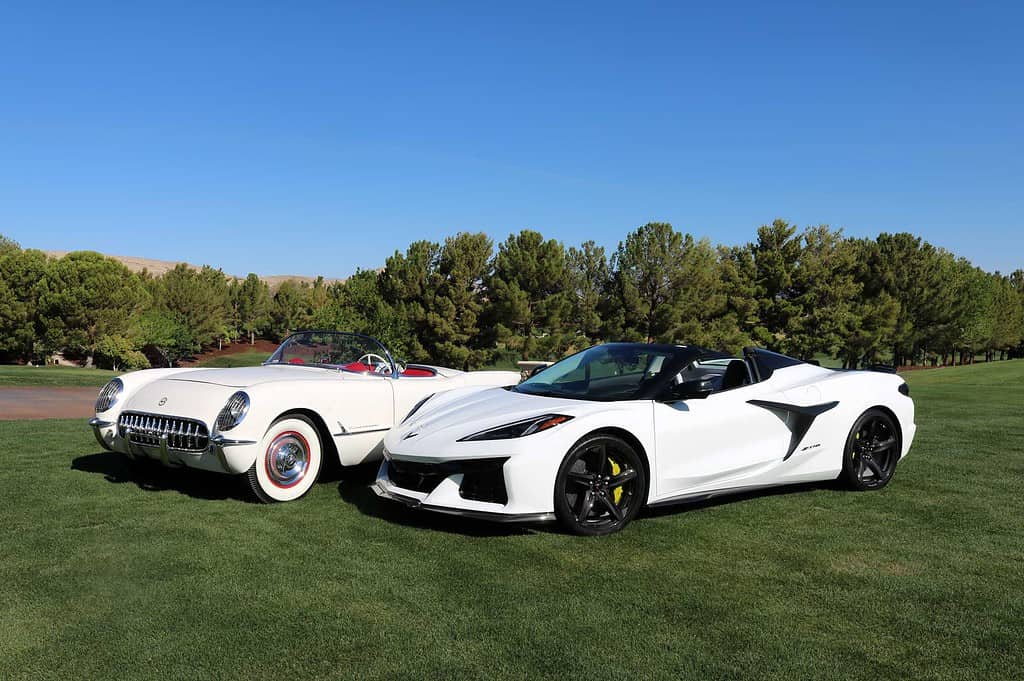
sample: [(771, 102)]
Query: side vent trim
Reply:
[(802, 419)]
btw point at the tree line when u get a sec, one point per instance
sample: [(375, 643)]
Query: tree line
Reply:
[(466, 303)]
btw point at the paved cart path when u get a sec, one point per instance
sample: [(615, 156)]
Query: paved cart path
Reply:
[(49, 402)]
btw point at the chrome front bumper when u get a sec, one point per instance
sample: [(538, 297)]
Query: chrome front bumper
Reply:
[(97, 426), (106, 435)]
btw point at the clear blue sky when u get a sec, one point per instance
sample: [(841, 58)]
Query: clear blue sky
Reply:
[(319, 138)]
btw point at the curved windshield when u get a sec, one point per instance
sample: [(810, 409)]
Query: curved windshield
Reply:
[(617, 371), (334, 350)]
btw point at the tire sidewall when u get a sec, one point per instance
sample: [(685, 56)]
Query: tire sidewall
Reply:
[(263, 486), (565, 515)]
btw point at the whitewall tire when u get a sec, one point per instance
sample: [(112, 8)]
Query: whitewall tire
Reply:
[(289, 461)]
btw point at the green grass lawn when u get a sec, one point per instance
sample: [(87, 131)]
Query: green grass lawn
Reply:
[(828, 361), (11, 375), (53, 375), (241, 359), (110, 572)]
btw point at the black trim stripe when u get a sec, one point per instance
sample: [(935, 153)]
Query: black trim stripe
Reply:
[(801, 423)]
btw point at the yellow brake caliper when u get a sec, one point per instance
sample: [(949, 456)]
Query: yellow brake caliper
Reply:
[(617, 492)]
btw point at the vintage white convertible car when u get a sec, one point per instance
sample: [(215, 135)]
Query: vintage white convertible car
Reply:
[(321, 394), (597, 436)]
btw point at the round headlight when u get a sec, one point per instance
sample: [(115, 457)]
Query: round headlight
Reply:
[(233, 412), (109, 395)]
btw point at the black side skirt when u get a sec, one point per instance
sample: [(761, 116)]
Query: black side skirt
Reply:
[(800, 423)]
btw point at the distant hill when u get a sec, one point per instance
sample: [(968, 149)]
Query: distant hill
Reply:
[(158, 267)]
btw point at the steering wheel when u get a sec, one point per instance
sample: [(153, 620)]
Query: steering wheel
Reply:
[(379, 364)]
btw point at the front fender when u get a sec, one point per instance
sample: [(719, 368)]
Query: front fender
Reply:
[(355, 414), (635, 418)]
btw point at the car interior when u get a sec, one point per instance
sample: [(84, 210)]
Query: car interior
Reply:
[(715, 373), (706, 376), (348, 354)]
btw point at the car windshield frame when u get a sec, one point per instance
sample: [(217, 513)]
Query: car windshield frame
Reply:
[(369, 343), (648, 385)]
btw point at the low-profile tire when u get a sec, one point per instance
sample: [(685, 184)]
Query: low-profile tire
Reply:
[(601, 485), (872, 451), (289, 461)]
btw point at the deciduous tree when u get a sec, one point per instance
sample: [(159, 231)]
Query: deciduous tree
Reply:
[(88, 296)]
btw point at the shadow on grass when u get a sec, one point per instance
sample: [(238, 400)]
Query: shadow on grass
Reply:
[(729, 498), (354, 488), (151, 476)]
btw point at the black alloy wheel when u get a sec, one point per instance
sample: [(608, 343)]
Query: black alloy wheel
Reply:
[(601, 486), (872, 451)]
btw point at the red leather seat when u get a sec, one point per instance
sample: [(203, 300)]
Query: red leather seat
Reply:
[(418, 372)]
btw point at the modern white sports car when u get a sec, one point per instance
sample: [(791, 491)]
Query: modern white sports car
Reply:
[(322, 393), (592, 439)]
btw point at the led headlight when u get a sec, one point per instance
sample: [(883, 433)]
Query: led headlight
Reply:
[(109, 395), (417, 407), (519, 428), (233, 412)]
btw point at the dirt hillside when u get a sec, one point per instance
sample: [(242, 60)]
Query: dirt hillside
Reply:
[(158, 267)]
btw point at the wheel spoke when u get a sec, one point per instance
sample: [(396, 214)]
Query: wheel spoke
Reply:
[(622, 478), (580, 478), (884, 445), (602, 464), (615, 510), (873, 465), (585, 507)]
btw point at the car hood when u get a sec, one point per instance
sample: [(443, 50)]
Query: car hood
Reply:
[(243, 377), (464, 415), (169, 397)]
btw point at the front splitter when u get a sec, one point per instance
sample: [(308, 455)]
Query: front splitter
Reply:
[(513, 518)]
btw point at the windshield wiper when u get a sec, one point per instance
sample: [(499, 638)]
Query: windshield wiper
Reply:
[(540, 392), (561, 394)]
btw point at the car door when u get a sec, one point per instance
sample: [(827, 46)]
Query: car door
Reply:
[(718, 441), (365, 403), (363, 410)]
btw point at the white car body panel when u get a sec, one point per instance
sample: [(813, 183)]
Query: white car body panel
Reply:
[(355, 409), (694, 448)]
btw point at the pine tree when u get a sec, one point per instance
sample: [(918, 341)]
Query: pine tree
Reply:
[(252, 305), (647, 274), (528, 293), (588, 282)]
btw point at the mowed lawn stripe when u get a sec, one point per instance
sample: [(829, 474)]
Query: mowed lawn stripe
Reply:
[(113, 571), (13, 375)]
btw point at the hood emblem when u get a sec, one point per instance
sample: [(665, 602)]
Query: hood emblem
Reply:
[(162, 402)]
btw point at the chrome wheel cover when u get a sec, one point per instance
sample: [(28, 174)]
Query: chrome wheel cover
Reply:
[(287, 459)]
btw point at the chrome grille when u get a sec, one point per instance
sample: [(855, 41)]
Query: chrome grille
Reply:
[(148, 429)]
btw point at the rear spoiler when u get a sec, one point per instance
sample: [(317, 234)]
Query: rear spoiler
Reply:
[(880, 368)]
